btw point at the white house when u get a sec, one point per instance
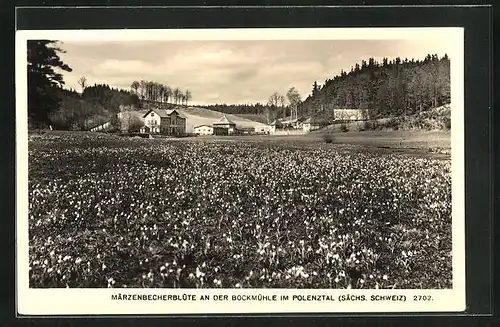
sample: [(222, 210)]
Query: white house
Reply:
[(262, 129), (204, 130), (169, 122), (152, 122), (350, 114), (310, 124)]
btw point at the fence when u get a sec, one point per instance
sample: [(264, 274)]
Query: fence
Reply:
[(288, 132)]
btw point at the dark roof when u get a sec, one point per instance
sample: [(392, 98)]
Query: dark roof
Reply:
[(163, 113), (224, 121)]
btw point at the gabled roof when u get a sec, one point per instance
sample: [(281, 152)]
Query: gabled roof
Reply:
[(163, 113), (224, 121)]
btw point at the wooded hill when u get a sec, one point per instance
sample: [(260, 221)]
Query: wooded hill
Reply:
[(96, 105), (391, 88)]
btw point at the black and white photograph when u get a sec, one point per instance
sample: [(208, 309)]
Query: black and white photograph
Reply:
[(258, 162)]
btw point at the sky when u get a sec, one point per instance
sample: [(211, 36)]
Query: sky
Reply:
[(232, 72)]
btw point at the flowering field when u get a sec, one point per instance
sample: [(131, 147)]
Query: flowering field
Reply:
[(107, 211)]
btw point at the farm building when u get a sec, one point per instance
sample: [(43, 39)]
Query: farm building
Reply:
[(101, 127), (224, 126), (311, 124), (162, 121), (275, 125), (262, 129), (204, 130)]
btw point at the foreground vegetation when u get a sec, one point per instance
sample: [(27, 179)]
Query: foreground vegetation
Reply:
[(112, 212)]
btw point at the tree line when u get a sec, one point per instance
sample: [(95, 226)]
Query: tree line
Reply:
[(153, 91)]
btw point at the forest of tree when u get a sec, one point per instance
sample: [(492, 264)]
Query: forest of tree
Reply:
[(391, 88), (95, 105)]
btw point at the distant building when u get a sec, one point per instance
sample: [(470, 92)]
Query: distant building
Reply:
[(341, 114), (162, 121), (311, 124), (262, 129), (224, 126), (101, 127), (204, 130)]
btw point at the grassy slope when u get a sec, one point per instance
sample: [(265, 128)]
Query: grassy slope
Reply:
[(258, 118)]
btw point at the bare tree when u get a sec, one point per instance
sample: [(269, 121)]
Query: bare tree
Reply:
[(294, 100), (135, 87), (188, 96), (142, 89), (167, 93), (177, 95), (83, 83)]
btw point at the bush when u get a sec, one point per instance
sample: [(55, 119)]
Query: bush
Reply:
[(447, 123), (344, 128), (328, 137), (371, 125)]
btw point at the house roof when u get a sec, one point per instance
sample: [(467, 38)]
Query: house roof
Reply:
[(224, 121), (163, 113), (276, 122)]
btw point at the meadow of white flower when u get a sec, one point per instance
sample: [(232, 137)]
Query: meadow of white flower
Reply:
[(106, 211)]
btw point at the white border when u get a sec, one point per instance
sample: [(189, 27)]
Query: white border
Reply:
[(98, 301)]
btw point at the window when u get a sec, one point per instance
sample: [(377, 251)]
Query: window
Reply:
[(152, 114)]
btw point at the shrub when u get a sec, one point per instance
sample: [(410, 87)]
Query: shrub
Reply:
[(447, 123), (328, 137), (344, 128)]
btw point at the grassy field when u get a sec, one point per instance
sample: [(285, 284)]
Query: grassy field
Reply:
[(110, 211), (423, 143)]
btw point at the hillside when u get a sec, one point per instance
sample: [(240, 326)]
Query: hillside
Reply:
[(388, 89)]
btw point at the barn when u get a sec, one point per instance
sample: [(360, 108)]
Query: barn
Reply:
[(204, 130), (224, 126), (162, 121)]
